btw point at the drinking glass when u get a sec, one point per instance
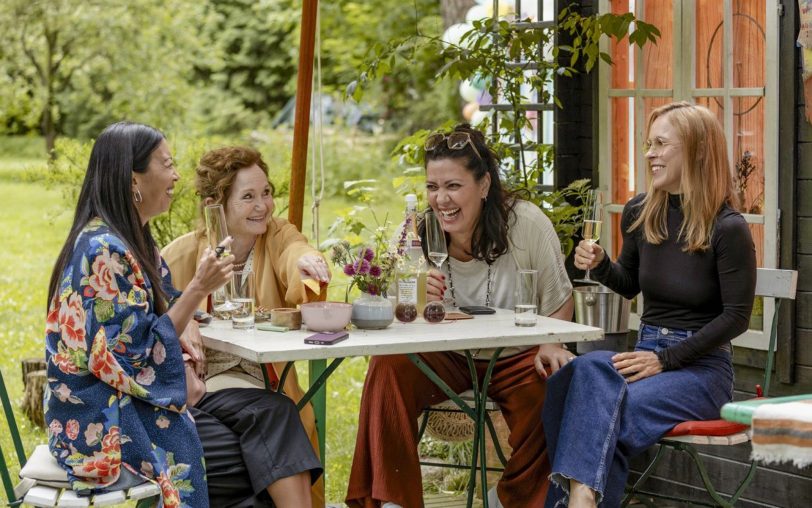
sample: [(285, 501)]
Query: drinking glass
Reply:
[(243, 299), (525, 306), (591, 232), (435, 242), (216, 231)]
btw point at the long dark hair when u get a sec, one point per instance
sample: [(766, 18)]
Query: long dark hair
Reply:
[(490, 236), (120, 150)]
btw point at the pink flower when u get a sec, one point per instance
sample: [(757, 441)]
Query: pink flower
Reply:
[(71, 322), (93, 433), (368, 254), (147, 469), (104, 365), (72, 429), (375, 270), (55, 427), (158, 353), (62, 392), (349, 270), (146, 376), (101, 467), (103, 275), (111, 443)]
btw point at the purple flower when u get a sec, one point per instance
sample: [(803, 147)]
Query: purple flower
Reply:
[(361, 267), (375, 270), (373, 289), (369, 254), (349, 269)]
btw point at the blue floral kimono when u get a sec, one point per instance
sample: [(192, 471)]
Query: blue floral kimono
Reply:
[(117, 387)]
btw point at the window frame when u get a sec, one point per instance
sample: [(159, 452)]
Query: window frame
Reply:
[(684, 78)]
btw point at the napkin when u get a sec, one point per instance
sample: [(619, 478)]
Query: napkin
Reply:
[(783, 433), (313, 285)]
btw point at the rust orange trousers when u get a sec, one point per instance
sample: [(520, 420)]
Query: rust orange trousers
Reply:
[(385, 466)]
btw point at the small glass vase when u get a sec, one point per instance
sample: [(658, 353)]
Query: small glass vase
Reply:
[(372, 312)]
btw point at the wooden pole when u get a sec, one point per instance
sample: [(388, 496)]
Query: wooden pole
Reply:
[(301, 119)]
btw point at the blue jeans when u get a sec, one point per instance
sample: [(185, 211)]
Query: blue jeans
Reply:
[(595, 421)]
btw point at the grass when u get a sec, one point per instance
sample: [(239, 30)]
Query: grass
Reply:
[(35, 226), (35, 221)]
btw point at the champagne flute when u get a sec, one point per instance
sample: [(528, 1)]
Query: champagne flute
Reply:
[(435, 241), (217, 231), (591, 231)]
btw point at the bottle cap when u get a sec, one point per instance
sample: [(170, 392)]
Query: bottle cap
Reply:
[(411, 199)]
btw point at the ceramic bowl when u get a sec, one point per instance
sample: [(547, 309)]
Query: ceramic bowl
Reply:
[(326, 316)]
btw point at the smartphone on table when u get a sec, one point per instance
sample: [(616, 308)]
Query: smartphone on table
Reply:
[(477, 309), (326, 338)]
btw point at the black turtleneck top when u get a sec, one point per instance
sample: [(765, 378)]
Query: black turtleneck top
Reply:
[(709, 292)]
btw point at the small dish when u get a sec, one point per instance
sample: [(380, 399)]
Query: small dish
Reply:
[(288, 317)]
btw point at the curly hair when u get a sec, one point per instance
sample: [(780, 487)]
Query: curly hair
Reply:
[(217, 169), (490, 236)]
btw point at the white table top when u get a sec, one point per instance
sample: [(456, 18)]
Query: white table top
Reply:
[(489, 331)]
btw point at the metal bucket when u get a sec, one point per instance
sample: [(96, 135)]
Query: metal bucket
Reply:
[(599, 306)]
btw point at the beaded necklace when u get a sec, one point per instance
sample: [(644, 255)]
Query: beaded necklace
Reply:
[(487, 285)]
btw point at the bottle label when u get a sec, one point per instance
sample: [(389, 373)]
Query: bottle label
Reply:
[(407, 290)]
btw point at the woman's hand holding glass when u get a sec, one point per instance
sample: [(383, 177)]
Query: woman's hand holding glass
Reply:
[(214, 270), (588, 255), (591, 230), (435, 286)]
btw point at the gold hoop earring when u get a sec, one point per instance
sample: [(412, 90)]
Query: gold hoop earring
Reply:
[(137, 196)]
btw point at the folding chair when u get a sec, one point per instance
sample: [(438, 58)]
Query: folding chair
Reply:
[(45, 484), (770, 283)]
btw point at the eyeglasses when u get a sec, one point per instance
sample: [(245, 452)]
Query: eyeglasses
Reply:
[(455, 141), (658, 145)]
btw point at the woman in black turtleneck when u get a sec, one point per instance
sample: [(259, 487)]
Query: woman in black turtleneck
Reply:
[(690, 253)]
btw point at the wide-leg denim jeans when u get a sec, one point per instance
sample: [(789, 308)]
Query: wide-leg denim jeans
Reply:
[(595, 421)]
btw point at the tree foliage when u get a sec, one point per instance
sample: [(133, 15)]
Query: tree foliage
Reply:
[(76, 65)]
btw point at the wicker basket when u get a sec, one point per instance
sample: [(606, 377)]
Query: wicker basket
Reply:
[(447, 423)]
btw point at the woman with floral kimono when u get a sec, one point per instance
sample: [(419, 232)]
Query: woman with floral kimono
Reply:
[(123, 406)]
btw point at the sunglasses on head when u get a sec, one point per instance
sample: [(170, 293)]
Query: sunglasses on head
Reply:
[(455, 141)]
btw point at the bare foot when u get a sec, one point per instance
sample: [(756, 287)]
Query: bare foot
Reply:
[(581, 496)]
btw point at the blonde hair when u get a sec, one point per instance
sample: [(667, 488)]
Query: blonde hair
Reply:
[(707, 182)]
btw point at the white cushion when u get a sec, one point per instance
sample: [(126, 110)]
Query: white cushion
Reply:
[(230, 379), (43, 468)]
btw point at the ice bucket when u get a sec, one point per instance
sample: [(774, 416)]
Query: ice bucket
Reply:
[(601, 307)]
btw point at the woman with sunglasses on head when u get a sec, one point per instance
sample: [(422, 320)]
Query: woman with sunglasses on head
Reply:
[(124, 405), (690, 253), (491, 235)]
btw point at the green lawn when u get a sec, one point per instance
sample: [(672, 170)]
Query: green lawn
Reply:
[(35, 226)]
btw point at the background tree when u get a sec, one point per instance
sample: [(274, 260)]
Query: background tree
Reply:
[(75, 65)]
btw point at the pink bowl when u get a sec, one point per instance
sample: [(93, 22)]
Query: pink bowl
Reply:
[(326, 316)]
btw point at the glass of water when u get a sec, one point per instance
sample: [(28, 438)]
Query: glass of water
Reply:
[(243, 299), (526, 304)]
